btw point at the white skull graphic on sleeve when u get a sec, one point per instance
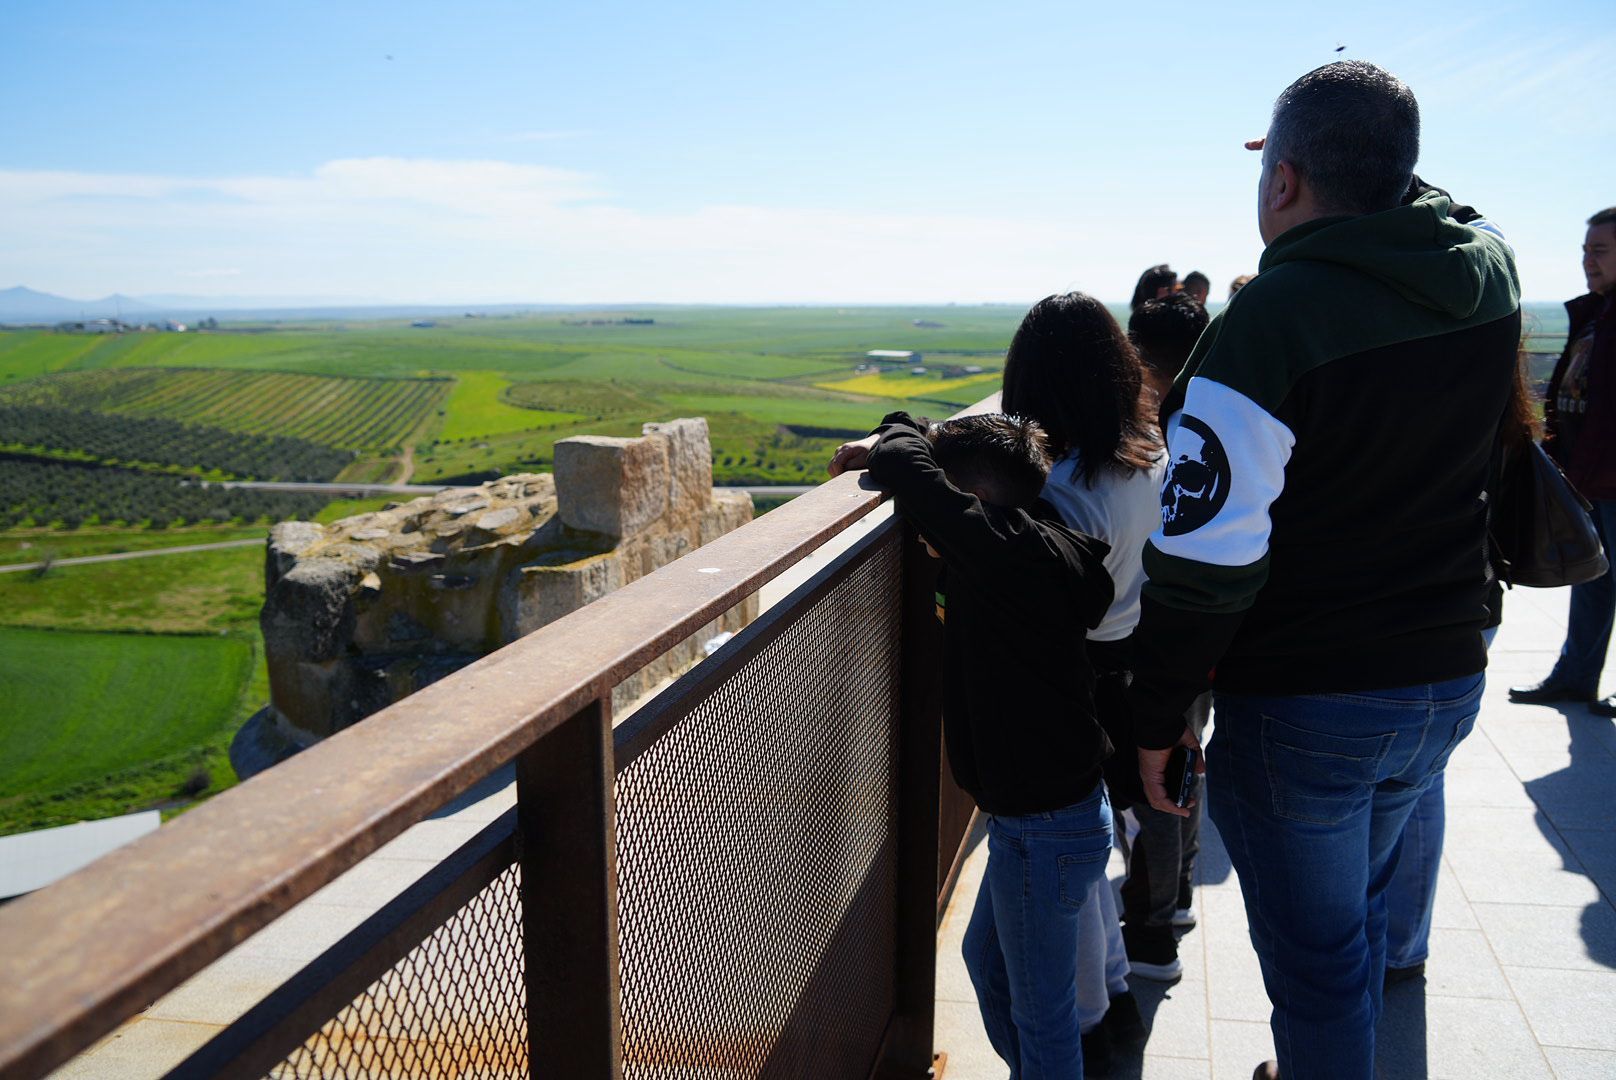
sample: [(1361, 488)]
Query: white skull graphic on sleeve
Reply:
[(1197, 478)]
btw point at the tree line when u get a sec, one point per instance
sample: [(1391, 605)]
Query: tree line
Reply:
[(152, 440), (41, 493)]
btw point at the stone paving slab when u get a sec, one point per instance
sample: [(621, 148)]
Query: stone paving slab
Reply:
[(1522, 977)]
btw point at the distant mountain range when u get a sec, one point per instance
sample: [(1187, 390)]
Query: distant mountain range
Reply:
[(21, 305), (28, 305)]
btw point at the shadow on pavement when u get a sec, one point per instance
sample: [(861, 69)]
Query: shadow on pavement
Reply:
[(1580, 796)]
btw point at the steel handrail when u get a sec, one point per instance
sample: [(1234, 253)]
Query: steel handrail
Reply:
[(93, 949)]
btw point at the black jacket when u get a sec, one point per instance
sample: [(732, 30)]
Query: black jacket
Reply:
[(1590, 465), (1019, 591)]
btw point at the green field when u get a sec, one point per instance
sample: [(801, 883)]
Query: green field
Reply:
[(352, 414), (197, 592), (99, 724), (477, 406), (164, 652), (478, 397)]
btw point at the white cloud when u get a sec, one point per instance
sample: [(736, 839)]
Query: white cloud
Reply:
[(422, 229)]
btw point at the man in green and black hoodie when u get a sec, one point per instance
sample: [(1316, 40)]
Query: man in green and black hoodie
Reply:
[(1321, 563)]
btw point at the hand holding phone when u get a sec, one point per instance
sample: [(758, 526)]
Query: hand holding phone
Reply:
[(1181, 774)]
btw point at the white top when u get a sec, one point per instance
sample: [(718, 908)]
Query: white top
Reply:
[(1123, 509)]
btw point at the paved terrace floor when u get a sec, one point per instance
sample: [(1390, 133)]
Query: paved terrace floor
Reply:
[(1522, 977)]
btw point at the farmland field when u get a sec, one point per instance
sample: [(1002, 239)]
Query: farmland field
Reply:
[(124, 720), (903, 384), (477, 406), (356, 414)]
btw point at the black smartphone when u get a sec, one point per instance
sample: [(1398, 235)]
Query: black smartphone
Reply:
[(1181, 774)]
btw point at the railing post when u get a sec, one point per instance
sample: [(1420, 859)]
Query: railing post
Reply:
[(908, 1052), (567, 844)]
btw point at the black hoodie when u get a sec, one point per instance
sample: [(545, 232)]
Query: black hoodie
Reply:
[(1019, 593)]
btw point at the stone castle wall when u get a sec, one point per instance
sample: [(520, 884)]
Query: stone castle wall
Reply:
[(360, 613)]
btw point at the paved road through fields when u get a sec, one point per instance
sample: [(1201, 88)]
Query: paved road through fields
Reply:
[(118, 556)]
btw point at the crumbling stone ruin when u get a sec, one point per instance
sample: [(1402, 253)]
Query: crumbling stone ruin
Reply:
[(365, 611)]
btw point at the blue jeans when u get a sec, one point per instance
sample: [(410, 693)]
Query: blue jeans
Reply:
[(1021, 945), (1311, 793), (1593, 608), (1411, 894)]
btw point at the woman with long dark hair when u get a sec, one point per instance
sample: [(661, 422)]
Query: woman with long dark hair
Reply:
[(1071, 368)]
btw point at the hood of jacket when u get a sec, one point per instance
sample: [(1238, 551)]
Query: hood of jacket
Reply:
[(1087, 601), (1418, 251)]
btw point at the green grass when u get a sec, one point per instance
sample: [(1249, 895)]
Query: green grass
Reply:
[(477, 407), (201, 591), (33, 545), (342, 508), (109, 723), (211, 598)]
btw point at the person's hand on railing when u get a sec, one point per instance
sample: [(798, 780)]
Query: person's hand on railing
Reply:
[(852, 455)]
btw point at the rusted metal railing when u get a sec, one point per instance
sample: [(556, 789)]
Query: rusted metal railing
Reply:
[(743, 878)]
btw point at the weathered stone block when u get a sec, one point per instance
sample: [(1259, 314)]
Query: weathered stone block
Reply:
[(546, 593), (729, 511), (287, 541), (309, 611), (612, 486), (690, 464)]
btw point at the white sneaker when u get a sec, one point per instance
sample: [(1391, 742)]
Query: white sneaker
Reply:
[(1184, 917), (1168, 972)]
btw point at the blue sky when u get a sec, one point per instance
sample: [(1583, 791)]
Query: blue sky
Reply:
[(874, 152)]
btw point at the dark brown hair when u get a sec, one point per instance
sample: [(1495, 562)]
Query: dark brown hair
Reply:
[(1606, 216), (1003, 458), (1165, 331), (1071, 368), (1521, 423), (1158, 277)]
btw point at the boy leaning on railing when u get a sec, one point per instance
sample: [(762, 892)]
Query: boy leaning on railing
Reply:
[(1018, 592)]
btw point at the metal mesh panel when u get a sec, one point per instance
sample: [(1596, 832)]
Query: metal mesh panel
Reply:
[(755, 853), (454, 1007)]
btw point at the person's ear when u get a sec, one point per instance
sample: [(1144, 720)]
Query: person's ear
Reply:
[(1283, 187)]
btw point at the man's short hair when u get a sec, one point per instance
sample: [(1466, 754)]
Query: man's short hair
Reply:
[(1606, 216), (1165, 331), (1195, 279), (1004, 459), (1350, 130)]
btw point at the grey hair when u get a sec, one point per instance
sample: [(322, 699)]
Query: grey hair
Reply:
[(1351, 130)]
